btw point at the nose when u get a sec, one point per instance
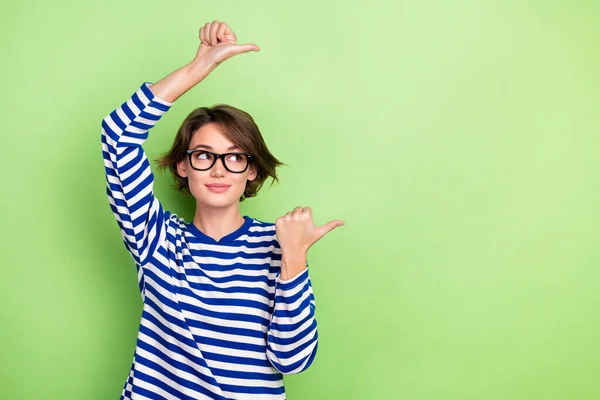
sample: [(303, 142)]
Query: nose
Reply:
[(218, 169)]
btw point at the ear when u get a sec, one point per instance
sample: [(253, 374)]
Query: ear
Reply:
[(253, 172), (181, 168)]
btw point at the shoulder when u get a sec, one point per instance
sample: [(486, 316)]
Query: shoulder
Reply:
[(262, 231), (261, 226), (260, 223)]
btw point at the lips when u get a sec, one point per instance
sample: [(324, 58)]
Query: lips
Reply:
[(218, 188)]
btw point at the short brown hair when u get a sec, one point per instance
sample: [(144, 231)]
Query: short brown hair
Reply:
[(239, 127)]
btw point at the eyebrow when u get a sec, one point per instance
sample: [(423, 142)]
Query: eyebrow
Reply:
[(205, 146)]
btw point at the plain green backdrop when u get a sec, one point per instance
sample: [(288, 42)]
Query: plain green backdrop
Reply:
[(458, 140)]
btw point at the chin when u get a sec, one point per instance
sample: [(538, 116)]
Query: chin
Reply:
[(219, 204)]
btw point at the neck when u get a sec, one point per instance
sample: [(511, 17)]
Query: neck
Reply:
[(217, 222)]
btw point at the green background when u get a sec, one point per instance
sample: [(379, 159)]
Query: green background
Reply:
[(458, 140)]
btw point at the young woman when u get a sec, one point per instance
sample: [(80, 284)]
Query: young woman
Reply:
[(227, 300)]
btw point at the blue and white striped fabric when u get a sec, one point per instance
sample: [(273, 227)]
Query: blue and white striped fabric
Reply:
[(217, 322)]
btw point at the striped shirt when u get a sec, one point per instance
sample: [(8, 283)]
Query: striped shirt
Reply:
[(217, 321)]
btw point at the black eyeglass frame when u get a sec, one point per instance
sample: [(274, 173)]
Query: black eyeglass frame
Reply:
[(216, 156)]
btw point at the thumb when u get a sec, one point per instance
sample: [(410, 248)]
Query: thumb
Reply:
[(328, 227), (244, 48), (227, 50)]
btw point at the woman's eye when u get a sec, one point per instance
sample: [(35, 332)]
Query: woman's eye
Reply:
[(202, 156), (234, 158)]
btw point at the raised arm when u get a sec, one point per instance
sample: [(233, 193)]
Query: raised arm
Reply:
[(129, 178)]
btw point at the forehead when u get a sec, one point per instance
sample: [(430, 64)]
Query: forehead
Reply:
[(211, 135)]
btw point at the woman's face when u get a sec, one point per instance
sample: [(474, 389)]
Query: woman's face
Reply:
[(210, 138)]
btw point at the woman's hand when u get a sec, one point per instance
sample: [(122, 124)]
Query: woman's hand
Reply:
[(218, 43), (296, 233)]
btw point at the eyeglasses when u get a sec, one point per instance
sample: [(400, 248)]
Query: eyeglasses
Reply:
[(203, 160)]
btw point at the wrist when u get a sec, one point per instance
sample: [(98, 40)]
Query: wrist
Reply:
[(199, 69), (292, 265)]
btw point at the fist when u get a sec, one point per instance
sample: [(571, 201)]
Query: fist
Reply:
[(218, 43), (296, 232)]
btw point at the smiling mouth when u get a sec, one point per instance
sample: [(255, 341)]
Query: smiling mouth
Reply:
[(218, 188)]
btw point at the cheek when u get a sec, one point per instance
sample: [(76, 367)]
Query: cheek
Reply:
[(240, 179), (240, 183), (194, 176), (195, 180)]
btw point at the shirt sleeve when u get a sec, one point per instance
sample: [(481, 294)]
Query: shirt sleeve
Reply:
[(129, 180), (292, 334)]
